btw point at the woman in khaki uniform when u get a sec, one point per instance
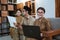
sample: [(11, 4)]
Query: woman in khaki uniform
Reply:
[(41, 21), (14, 31)]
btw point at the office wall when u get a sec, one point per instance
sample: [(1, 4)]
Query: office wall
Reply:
[(49, 5)]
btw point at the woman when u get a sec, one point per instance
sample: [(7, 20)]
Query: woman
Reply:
[(16, 31), (41, 21)]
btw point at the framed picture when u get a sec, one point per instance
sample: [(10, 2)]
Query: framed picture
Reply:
[(10, 7), (0, 7), (4, 7), (4, 1), (33, 8), (4, 13), (12, 1), (20, 6), (28, 3), (31, 5)]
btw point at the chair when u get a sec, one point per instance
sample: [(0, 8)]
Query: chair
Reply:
[(54, 34)]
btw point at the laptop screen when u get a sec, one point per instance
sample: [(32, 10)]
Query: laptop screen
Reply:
[(31, 31)]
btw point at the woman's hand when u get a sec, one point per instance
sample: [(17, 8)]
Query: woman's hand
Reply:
[(15, 24), (41, 34), (18, 25)]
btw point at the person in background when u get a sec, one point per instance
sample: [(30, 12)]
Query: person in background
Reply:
[(15, 31), (42, 22)]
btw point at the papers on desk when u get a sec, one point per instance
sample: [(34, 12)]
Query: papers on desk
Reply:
[(11, 20)]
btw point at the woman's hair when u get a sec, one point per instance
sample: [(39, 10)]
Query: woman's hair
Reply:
[(27, 9), (41, 9), (16, 11)]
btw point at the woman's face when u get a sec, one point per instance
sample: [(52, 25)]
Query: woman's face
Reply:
[(40, 13), (18, 13)]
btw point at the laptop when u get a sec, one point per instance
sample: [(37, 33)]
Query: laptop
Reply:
[(31, 31)]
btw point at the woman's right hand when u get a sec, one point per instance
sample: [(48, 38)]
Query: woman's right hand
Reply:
[(15, 24), (18, 25)]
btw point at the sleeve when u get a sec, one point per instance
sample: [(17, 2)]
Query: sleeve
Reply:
[(36, 23), (32, 20), (22, 21), (48, 25)]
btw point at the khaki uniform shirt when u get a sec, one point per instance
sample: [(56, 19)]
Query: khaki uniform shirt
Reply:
[(29, 21), (43, 23), (19, 19)]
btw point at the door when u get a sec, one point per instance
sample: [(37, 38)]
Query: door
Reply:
[(57, 8)]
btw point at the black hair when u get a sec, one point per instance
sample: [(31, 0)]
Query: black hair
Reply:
[(41, 9), (27, 9)]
